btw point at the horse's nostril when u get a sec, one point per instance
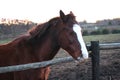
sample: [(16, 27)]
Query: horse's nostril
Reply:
[(81, 55)]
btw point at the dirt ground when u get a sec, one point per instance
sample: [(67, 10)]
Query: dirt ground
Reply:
[(109, 67)]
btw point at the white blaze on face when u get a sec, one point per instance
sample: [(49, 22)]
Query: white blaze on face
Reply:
[(77, 30)]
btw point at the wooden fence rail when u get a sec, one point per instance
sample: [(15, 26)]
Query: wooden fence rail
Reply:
[(107, 46), (94, 47), (35, 65)]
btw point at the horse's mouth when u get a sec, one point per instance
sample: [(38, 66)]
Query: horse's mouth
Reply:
[(81, 60)]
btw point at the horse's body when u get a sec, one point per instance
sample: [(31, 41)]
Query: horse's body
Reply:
[(40, 44)]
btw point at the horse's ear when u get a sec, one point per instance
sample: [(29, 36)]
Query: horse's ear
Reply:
[(62, 16), (71, 12)]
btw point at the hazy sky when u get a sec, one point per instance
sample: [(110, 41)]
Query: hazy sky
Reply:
[(43, 10)]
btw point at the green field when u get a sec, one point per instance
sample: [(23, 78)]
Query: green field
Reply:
[(5, 41), (101, 38)]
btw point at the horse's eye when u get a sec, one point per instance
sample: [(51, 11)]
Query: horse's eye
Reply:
[(66, 29), (71, 40), (72, 33)]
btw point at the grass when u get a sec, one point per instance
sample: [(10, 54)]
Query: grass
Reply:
[(5, 41), (101, 38)]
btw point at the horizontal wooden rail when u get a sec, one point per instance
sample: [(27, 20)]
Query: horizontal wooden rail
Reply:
[(107, 46), (36, 65)]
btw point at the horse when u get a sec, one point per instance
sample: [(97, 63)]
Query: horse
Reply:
[(42, 43)]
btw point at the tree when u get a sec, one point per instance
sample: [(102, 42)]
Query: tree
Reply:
[(95, 32), (85, 33), (105, 31), (115, 31)]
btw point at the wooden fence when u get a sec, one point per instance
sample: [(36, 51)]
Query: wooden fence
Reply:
[(94, 47)]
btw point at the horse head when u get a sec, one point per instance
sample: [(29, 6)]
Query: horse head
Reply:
[(70, 37)]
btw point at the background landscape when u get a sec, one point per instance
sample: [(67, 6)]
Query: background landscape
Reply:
[(107, 28)]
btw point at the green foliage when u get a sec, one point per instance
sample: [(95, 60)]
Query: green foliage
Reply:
[(105, 31), (97, 32), (110, 23), (85, 33), (115, 31)]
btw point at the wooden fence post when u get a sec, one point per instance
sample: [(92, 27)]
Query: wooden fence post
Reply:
[(95, 60)]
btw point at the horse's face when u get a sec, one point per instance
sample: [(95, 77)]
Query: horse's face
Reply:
[(70, 37)]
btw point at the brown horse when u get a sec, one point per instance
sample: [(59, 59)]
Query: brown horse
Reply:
[(41, 44)]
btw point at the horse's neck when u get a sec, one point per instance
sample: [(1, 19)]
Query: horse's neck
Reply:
[(47, 48)]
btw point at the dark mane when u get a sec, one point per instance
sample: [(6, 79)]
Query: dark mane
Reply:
[(39, 30), (42, 28)]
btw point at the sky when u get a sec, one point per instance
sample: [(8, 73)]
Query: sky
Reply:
[(42, 10)]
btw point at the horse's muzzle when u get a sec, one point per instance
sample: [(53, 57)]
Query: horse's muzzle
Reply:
[(80, 60)]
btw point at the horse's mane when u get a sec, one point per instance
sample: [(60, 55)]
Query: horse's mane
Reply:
[(39, 30)]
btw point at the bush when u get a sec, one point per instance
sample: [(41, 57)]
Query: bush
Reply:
[(85, 33), (95, 32), (105, 31), (115, 31)]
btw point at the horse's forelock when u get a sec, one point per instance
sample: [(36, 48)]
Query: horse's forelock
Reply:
[(71, 16)]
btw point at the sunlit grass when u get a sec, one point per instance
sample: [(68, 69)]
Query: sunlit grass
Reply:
[(103, 38), (5, 41)]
